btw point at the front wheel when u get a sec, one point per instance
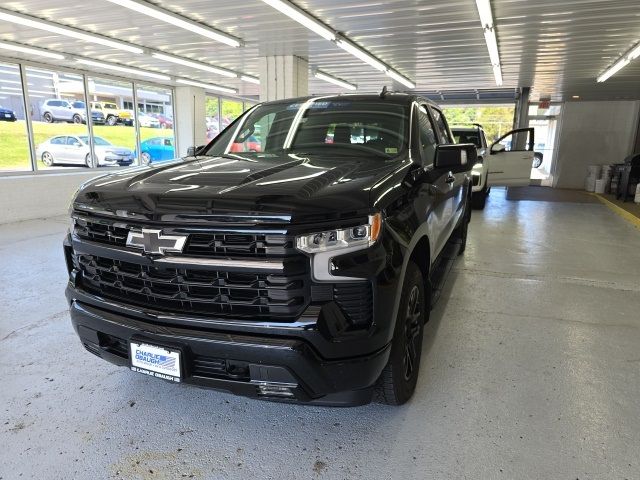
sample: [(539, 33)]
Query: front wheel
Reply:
[(111, 120), (479, 199), (77, 119), (398, 379), (88, 161), (47, 159), (145, 158)]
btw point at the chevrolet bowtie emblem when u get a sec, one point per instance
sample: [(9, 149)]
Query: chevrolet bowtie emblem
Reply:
[(153, 242)]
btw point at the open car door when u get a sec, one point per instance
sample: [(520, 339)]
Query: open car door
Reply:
[(511, 158)]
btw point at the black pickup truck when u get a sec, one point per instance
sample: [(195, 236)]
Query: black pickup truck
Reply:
[(293, 258)]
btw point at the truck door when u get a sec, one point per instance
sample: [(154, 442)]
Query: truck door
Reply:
[(431, 204), (453, 182), (511, 159)]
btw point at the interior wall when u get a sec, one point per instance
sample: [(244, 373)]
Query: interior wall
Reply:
[(28, 197), (593, 133)]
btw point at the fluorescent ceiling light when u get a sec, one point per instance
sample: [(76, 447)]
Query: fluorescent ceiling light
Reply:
[(119, 68), (334, 80), (486, 20), (207, 86), (497, 73), (610, 72), (178, 20), (361, 54), (14, 89), (484, 10), (250, 79), (635, 52), (302, 17), (195, 64), (39, 24), (30, 51), (400, 79)]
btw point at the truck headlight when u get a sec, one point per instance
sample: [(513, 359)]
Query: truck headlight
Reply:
[(323, 246), (362, 236)]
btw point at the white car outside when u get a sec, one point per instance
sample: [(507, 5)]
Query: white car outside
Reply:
[(75, 150)]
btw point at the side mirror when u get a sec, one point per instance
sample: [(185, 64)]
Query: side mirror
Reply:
[(456, 157), (193, 151), (497, 148)]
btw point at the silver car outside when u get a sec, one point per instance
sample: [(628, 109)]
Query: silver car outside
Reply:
[(75, 150)]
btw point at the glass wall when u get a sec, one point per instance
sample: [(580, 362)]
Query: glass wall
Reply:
[(59, 119), (212, 117), (112, 114), (61, 109), (220, 112), (155, 115), (229, 111), (14, 142)]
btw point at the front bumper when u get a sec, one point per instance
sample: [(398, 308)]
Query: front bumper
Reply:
[(245, 364)]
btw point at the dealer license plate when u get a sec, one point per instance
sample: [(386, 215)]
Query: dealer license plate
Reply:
[(160, 362), (7, 115)]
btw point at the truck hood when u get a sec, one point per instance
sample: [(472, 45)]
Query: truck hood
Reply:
[(263, 188)]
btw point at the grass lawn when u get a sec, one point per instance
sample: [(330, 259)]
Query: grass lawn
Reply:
[(14, 147)]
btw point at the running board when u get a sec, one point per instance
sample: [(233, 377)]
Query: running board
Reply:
[(441, 268)]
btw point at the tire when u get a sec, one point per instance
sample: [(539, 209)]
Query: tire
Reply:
[(88, 161), (398, 380), (460, 233), (111, 120), (48, 117), (47, 159), (77, 119), (479, 199), (145, 158), (537, 160)]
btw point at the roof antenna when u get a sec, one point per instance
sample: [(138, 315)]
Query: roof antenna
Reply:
[(383, 93)]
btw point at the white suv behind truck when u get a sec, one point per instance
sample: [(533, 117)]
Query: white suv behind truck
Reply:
[(505, 163)]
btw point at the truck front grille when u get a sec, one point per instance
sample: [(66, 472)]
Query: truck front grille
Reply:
[(280, 297), (210, 245)]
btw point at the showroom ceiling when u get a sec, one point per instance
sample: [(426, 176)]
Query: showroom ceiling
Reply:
[(558, 47)]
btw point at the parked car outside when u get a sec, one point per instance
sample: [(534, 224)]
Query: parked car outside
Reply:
[(58, 110), (75, 150), (97, 117), (148, 121), (7, 115), (165, 121), (126, 117), (156, 149), (109, 110)]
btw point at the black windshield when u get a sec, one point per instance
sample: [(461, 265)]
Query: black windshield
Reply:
[(340, 126)]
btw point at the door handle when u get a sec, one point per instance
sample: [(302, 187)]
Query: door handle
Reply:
[(450, 178)]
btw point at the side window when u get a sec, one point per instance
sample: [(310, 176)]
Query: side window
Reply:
[(72, 140), (428, 139), (516, 141), (167, 142), (58, 141), (441, 126)]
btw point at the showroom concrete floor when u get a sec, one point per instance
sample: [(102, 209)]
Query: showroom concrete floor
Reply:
[(530, 370)]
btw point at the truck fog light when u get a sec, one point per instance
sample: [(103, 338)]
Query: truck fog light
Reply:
[(276, 390)]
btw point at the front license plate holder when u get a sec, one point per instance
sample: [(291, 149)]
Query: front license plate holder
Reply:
[(156, 360)]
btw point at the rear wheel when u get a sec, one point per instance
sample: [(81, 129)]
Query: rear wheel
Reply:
[(88, 161), (398, 379), (145, 158), (47, 159), (77, 119), (48, 117)]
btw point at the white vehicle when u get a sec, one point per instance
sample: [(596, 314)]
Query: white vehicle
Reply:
[(146, 120), (500, 164), (74, 150)]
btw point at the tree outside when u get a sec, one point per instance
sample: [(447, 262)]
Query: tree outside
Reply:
[(496, 120)]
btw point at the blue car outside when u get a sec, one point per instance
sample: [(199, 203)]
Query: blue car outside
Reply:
[(157, 149)]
